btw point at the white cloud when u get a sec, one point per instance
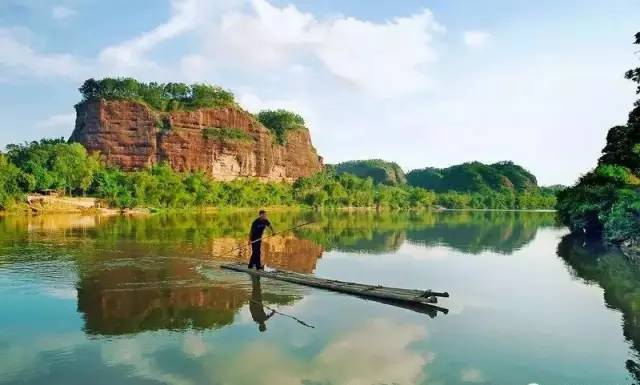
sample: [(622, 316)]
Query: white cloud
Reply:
[(385, 59), (266, 35), (61, 12), (194, 345), (253, 103), (128, 57), (59, 121), (476, 39), (19, 56), (473, 375), (346, 359)]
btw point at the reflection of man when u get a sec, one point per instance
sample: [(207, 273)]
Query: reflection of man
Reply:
[(255, 306), (255, 234)]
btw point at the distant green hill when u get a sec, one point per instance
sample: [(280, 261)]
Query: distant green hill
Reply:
[(474, 177), (379, 170)]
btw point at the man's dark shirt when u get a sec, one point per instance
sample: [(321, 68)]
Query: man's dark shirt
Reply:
[(257, 228)]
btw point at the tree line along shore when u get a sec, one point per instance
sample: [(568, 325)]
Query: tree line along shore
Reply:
[(67, 167)]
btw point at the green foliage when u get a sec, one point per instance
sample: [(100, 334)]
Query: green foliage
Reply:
[(329, 189), (474, 177), (10, 177), (53, 164), (280, 123), (379, 170), (228, 134), (162, 187), (606, 201), (163, 124), (160, 96), (623, 221), (621, 147)]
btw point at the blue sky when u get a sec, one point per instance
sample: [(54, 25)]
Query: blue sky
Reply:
[(423, 83)]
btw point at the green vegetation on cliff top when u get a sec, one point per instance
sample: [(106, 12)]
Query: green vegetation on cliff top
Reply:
[(280, 123), (159, 96), (605, 202), (379, 170), (167, 97)]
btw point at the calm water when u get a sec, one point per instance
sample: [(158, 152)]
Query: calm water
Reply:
[(90, 300)]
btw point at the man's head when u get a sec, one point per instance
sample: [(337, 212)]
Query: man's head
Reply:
[(262, 327), (262, 214)]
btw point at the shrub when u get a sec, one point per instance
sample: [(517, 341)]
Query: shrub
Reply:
[(10, 177), (227, 134), (280, 122)]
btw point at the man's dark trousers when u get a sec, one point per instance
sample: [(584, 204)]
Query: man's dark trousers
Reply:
[(255, 255)]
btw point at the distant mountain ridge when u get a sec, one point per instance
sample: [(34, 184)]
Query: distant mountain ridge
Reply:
[(381, 171), (467, 177), (474, 177)]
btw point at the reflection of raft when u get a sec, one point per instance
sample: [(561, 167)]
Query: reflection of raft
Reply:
[(416, 300)]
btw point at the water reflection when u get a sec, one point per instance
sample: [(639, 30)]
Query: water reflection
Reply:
[(130, 296), (607, 267), (256, 307), (467, 231), (141, 273), (142, 300)]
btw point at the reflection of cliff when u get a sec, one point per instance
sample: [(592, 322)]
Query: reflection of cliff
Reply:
[(620, 279), (169, 295), (282, 251)]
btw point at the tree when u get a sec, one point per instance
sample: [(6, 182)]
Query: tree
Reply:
[(280, 122), (606, 201), (9, 182)]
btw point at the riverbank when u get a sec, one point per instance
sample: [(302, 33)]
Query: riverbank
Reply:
[(45, 204)]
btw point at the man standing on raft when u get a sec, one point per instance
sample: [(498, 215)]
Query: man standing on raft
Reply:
[(255, 235)]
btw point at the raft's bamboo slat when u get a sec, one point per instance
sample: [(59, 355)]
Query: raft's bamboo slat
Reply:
[(406, 298)]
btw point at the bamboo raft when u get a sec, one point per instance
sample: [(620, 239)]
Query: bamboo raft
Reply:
[(422, 301)]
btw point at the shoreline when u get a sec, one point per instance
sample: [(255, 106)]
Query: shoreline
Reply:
[(25, 209)]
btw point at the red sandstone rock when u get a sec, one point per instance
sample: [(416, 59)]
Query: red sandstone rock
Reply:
[(127, 134)]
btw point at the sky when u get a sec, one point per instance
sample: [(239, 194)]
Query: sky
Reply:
[(422, 83)]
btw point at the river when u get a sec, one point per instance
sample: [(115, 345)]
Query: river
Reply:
[(142, 300)]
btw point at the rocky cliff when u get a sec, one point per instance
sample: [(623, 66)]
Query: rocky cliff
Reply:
[(131, 135)]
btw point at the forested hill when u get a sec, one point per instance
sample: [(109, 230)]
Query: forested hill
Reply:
[(379, 170), (474, 177)]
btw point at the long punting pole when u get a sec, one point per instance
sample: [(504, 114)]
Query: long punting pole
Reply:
[(265, 237)]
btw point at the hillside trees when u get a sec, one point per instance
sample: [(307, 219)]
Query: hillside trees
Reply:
[(474, 177), (606, 201)]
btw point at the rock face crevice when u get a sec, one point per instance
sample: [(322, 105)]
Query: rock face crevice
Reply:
[(132, 136)]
